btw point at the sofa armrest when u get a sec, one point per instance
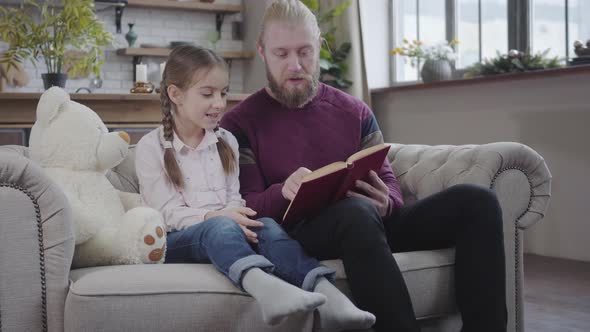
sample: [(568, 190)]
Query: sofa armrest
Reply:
[(516, 172), (36, 245)]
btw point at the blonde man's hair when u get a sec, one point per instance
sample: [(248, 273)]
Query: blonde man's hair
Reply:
[(289, 11)]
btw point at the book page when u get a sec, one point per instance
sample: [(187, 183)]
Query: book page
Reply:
[(322, 171)]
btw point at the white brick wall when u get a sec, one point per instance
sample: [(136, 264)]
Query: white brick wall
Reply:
[(154, 26)]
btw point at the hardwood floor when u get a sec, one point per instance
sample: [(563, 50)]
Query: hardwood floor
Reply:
[(557, 295)]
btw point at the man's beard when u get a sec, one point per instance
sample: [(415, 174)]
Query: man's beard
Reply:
[(299, 96)]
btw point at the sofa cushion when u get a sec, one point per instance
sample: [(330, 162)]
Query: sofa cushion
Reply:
[(169, 297), (179, 297)]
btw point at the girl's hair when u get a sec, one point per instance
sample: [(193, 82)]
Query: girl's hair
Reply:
[(290, 11), (183, 62)]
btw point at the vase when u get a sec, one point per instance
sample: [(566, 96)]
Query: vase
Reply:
[(131, 36), (54, 79), (212, 39), (436, 70)]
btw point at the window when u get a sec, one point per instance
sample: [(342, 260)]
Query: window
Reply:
[(494, 28), (482, 29), (423, 20), (406, 27), (556, 24), (578, 23), (468, 33), (548, 27), (481, 26)]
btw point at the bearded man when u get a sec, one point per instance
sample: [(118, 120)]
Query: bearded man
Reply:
[(296, 124)]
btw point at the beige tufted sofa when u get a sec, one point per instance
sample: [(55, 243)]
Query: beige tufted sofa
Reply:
[(39, 292)]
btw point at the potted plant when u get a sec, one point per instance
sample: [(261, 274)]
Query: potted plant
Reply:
[(333, 65), (437, 58), (513, 62), (37, 28)]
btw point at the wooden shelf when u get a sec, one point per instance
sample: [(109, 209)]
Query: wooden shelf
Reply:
[(124, 110), (194, 5), (233, 97), (164, 52), (187, 5)]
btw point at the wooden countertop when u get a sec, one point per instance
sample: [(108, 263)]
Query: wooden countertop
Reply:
[(164, 52), (125, 110), (235, 97)]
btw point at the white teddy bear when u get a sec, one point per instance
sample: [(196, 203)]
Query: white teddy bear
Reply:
[(76, 150)]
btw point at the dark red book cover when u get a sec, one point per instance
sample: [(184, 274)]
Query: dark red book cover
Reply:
[(330, 183)]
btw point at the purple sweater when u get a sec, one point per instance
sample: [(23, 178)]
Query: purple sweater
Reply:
[(275, 141)]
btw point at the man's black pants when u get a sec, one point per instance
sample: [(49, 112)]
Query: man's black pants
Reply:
[(466, 217)]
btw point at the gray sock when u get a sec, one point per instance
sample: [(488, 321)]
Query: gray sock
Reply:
[(339, 313), (278, 298)]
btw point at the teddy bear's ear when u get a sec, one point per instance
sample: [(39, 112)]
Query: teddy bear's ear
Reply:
[(50, 103)]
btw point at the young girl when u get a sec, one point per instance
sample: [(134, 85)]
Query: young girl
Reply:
[(187, 169)]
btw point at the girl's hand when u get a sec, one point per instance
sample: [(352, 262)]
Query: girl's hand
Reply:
[(240, 216)]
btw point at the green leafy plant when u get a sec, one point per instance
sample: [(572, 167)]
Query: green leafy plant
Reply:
[(71, 25), (333, 65), (513, 62)]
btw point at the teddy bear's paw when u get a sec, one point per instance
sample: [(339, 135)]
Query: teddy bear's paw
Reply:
[(150, 240), (145, 228), (154, 243)]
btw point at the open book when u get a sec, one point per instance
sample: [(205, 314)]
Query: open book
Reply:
[(330, 183)]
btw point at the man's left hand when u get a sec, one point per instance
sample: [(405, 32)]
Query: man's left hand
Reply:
[(376, 192)]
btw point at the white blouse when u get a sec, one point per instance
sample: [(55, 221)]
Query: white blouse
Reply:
[(207, 187)]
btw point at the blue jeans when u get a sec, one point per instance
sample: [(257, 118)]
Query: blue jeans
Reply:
[(221, 241)]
